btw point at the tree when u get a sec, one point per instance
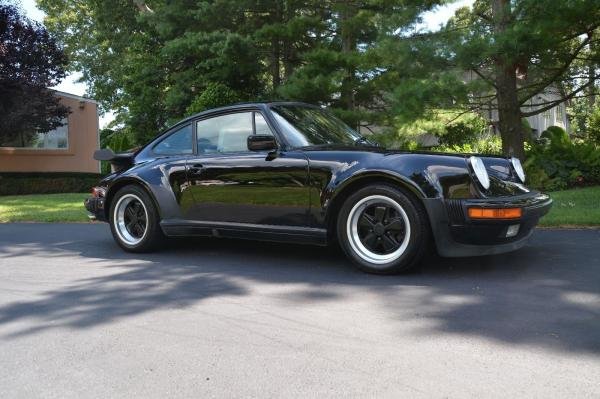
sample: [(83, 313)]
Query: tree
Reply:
[(515, 49), (347, 69), (30, 62), (154, 62), (150, 62)]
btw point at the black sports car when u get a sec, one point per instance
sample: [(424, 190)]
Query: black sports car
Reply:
[(286, 171)]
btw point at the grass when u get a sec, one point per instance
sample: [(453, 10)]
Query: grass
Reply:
[(575, 207), (43, 208)]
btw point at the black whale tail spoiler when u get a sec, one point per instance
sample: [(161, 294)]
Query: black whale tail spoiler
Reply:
[(118, 161)]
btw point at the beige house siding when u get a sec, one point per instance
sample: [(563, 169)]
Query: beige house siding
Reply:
[(83, 140)]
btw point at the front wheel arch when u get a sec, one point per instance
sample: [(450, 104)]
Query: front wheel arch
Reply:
[(338, 199)]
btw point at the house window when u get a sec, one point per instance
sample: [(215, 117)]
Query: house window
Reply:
[(548, 118), (560, 114), (52, 140)]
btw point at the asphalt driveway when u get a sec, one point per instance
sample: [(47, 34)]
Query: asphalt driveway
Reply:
[(221, 318)]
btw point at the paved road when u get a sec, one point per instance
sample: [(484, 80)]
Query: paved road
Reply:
[(217, 318)]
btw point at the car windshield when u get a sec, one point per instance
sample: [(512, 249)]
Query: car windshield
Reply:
[(308, 126)]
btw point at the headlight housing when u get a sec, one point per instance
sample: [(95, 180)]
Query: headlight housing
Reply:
[(480, 172), (516, 164)]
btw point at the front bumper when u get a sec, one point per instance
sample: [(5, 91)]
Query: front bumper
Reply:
[(457, 235), (95, 207)]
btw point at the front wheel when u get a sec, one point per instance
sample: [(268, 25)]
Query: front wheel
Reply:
[(134, 220), (383, 230)]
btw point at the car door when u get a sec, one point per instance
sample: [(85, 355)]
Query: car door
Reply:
[(231, 184)]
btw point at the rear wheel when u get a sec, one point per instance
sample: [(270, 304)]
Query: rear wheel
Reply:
[(383, 230), (134, 220)]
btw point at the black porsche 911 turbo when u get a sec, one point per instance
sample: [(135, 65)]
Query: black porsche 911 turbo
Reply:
[(286, 171)]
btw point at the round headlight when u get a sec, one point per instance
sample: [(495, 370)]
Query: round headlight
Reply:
[(516, 164), (480, 171)]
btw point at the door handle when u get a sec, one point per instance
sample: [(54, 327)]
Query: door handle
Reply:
[(197, 166)]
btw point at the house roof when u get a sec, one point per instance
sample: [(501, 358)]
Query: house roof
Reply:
[(74, 96)]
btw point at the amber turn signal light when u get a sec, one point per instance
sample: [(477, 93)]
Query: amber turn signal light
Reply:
[(495, 213)]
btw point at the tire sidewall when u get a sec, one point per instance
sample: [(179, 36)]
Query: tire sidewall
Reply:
[(152, 224), (416, 242)]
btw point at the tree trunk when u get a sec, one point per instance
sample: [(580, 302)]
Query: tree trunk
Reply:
[(275, 67), (509, 110), (592, 77), (509, 113), (288, 55), (348, 39)]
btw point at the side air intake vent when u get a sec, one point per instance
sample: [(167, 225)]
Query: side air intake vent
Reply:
[(455, 211)]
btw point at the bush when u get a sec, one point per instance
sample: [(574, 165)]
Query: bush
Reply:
[(465, 130), (450, 127), (46, 183), (593, 126), (490, 145), (527, 131), (555, 134), (561, 164), (119, 140)]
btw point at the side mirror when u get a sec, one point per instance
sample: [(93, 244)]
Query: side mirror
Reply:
[(257, 142)]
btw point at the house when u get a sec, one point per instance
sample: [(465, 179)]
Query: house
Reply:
[(68, 148), (556, 116)]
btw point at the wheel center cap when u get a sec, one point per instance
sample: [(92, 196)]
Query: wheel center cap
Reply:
[(379, 229)]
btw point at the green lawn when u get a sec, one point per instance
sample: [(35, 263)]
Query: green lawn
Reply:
[(43, 208), (577, 207)]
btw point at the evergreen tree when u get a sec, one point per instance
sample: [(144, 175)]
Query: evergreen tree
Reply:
[(154, 62), (514, 49)]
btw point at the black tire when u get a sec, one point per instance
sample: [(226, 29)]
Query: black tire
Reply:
[(378, 247), (152, 234)]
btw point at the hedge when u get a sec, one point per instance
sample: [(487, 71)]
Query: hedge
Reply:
[(17, 183)]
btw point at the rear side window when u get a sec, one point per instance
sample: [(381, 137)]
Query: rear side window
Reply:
[(177, 143)]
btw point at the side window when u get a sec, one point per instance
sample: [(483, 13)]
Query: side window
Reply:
[(177, 143), (262, 128), (226, 133)]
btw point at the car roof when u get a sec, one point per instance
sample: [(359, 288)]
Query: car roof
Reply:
[(241, 105)]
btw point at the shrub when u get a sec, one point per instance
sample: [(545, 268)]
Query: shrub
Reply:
[(490, 145), (119, 140), (560, 164), (450, 127), (527, 131), (466, 130), (593, 126), (555, 134), (46, 182)]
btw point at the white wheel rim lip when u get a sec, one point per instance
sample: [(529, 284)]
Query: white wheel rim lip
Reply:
[(354, 239), (119, 219)]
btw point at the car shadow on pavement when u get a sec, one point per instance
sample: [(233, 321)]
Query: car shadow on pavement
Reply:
[(546, 294)]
